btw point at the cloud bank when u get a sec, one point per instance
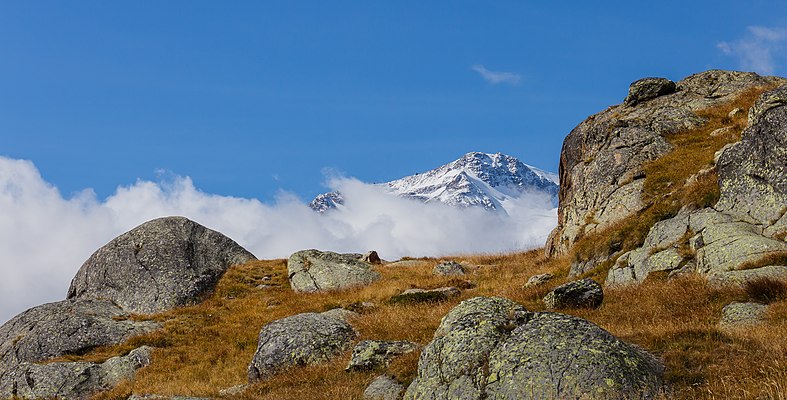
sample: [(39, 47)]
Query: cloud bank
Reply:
[(45, 237), (755, 50), (495, 77)]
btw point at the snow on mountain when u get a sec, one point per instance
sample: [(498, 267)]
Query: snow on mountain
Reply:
[(475, 180)]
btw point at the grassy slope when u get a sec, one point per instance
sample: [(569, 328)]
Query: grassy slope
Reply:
[(207, 347)]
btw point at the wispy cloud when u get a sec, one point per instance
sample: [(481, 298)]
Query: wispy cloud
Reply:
[(495, 77), (755, 50), (45, 237)]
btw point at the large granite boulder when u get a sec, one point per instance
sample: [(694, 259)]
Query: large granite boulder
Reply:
[(492, 348), (314, 270), (159, 265), (601, 162), (64, 327), (299, 340), (72, 380)]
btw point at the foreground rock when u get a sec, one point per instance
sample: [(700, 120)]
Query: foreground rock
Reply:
[(314, 270), (373, 354), (602, 159), (584, 293), (384, 388), (492, 348), (299, 340), (413, 296), (64, 327), (159, 265), (742, 315), (72, 380)]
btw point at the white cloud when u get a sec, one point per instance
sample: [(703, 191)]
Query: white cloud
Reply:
[(44, 237), (755, 50), (495, 77)]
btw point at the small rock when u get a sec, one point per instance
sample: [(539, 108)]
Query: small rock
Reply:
[(362, 306), (340, 314), (539, 279), (740, 315), (584, 293), (449, 268), (736, 112), (373, 354), (648, 88), (263, 286), (298, 340), (384, 388), (371, 257), (406, 263), (314, 270), (721, 131), (233, 390), (411, 296)]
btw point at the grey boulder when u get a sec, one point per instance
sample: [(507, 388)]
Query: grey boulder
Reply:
[(159, 265), (314, 270), (299, 340), (373, 354), (413, 296), (492, 348), (741, 315), (584, 293), (72, 380), (449, 268), (384, 388), (64, 327), (538, 280)]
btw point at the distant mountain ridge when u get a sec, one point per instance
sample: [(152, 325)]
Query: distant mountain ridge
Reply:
[(474, 180)]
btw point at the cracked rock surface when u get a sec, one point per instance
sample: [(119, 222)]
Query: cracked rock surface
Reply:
[(161, 264), (314, 270), (492, 348)]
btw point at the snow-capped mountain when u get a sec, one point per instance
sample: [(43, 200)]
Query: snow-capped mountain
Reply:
[(475, 180)]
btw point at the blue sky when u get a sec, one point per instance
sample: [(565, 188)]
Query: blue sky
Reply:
[(248, 98)]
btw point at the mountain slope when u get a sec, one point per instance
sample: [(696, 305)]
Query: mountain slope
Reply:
[(474, 180)]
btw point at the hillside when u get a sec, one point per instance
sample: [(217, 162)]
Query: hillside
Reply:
[(673, 204)]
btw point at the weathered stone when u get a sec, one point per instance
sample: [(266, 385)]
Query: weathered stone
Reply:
[(72, 380), (753, 172), (584, 293), (161, 264), (538, 280), (64, 327), (742, 277), (648, 88), (340, 313), (449, 268), (298, 340), (371, 257), (384, 388), (233, 391), (406, 263), (374, 354), (741, 315), (314, 270), (411, 296), (492, 348)]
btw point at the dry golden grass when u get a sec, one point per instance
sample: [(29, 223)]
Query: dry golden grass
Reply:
[(207, 347), (684, 177)]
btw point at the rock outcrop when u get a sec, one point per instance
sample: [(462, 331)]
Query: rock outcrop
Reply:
[(64, 327), (314, 270), (299, 340), (492, 348), (601, 162), (584, 293), (748, 223), (159, 265), (72, 380)]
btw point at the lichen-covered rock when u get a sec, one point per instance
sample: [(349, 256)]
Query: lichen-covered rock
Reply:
[(64, 327), (448, 268), (384, 388), (538, 280), (602, 159), (742, 277), (741, 315), (161, 264), (492, 348), (753, 172), (72, 380), (374, 354), (584, 293), (412, 296), (299, 340), (314, 270), (648, 88)]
